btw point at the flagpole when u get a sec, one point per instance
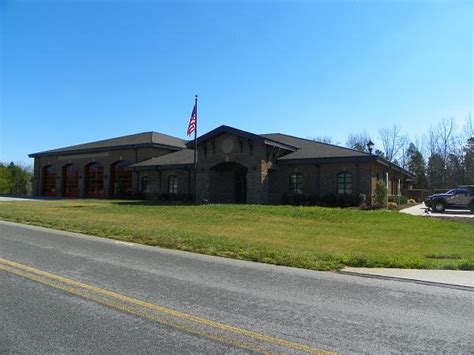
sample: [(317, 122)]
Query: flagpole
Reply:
[(195, 150)]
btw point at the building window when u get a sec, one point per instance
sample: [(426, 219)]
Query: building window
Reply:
[(344, 183), (172, 184), (144, 184), (296, 183)]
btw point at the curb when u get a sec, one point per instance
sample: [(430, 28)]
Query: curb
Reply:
[(408, 280)]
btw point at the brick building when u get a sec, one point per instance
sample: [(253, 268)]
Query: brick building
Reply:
[(234, 166)]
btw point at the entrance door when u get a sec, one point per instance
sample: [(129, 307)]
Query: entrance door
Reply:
[(228, 183), (240, 189)]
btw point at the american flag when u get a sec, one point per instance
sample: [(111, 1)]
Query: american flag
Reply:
[(192, 121)]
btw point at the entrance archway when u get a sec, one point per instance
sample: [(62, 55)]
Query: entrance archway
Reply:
[(70, 183), (228, 183), (121, 180), (94, 174)]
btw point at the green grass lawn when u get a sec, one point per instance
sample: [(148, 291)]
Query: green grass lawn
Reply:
[(307, 237)]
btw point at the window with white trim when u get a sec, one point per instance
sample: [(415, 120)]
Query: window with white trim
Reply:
[(172, 184), (296, 183), (344, 183)]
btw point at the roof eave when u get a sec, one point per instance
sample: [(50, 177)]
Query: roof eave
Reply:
[(104, 149), (321, 159), (160, 166)]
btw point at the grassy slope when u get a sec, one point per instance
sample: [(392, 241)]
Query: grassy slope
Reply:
[(307, 237)]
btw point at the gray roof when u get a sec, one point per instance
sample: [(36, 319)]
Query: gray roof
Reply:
[(308, 149), (238, 132), (181, 157), (134, 140)]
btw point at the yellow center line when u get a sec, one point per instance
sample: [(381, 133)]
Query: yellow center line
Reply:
[(218, 337), (78, 288)]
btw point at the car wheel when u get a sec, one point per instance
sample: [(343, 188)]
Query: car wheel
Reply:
[(438, 206)]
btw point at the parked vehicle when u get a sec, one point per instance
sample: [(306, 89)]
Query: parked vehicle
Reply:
[(459, 198)]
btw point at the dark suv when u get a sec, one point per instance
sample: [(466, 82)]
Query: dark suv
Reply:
[(459, 198)]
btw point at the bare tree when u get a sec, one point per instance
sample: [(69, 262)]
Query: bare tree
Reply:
[(394, 143), (358, 141), (445, 137), (468, 129), (441, 142), (323, 139)]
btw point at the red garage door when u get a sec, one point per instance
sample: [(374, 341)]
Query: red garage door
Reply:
[(94, 175), (49, 181), (71, 180)]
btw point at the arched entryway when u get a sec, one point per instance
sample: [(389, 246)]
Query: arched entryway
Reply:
[(121, 180), (228, 183), (94, 180), (49, 181), (70, 183)]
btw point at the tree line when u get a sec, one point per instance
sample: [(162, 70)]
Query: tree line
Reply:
[(442, 158), (15, 179)]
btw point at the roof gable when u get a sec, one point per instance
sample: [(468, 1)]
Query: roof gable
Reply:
[(245, 134)]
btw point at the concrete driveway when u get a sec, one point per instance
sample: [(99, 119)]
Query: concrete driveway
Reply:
[(13, 198), (421, 210), (4, 199)]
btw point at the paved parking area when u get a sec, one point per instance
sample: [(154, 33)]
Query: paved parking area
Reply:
[(421, 210)]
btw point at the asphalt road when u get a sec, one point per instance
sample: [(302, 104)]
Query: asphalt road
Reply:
[(64, 293)]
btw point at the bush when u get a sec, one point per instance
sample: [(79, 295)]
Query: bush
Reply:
[(330, 200), (166, 197), (403, 200), (392, 206), (412, 201), (380, 194)]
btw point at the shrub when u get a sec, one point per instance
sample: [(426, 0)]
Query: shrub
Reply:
[(166, 197), (330, 200), (392, 206), (411, 201), (403, 200), (380, 194)]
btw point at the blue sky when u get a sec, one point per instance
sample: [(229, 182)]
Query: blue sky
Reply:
[(78, 71)]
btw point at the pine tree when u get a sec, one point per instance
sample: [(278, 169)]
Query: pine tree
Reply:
[(436, 172), (469, 161), (417, 166)]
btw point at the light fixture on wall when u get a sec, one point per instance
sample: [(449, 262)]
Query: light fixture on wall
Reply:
[(370, 146)]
